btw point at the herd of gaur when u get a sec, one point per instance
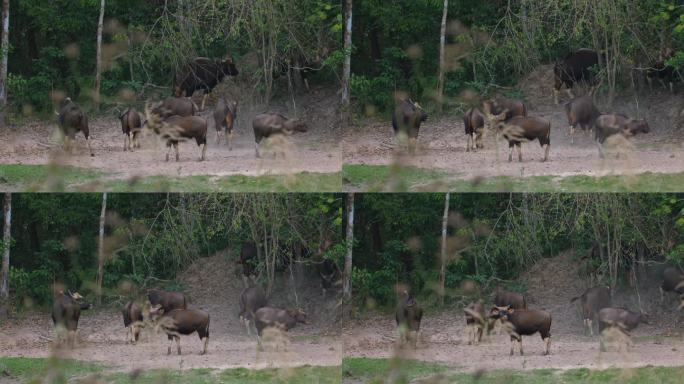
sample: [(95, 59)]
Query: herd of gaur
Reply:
[(509, 118), (171, 312), (177, 119), (511, 313)]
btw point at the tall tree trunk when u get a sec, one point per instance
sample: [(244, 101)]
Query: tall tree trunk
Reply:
[(98, 69), (442, 269), (346, 72), (347, 284), (100, 250), (6, 240), (442, 57), (4, 49)]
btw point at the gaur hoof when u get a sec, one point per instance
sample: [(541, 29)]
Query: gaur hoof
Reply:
[(92, 155)]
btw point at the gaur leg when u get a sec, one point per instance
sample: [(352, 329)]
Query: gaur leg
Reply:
[(547, 341), (546, 152), (230, 140), (89, 148), (572, 134), (590, 325), (470, 139), (479, 134), (519, 145), (412, 144), (256, 149), (178, 344), (600, 148), (513, 340), (511, 145), (556, 94), (204, 151), (71, 337), (520, 345), (168, 352), (206, 344), (662, 295), (168, 150), (126, 138), (175, 146), (128, 332), (204, 100), (218, 135)]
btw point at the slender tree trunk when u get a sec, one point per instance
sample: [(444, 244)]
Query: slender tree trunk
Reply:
[(442, 269), (6, 240), (442, 57), (346, 72), (347, 284), (98, 69), (100, 250), (4, 49)]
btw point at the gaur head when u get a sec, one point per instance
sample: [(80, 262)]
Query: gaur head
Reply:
[(500, 312), (299, 315), (80, 300), (66, 101), (634, 127), (155, 312), (228, 67), (421, 115), (295, 125)]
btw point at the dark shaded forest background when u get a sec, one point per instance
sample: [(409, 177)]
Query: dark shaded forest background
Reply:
[(490, 45), (53, 46)]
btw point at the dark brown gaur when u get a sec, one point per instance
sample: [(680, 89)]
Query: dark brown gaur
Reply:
[(474, 123), (133, 320), (66, 311), (581, 111), (502, 109), (203, 74), (251, 299), (673, 281), (225, 115), (514, 300), (406, 120), (131, 125), (168, 300), (621, 319), (278, 318), (524, 322), (179, 106), (268, 124), (591, 302), (575, 68), (248, 261), (71, 120), (408, 315), (182, 322), (174, 129), (330, 275), (609, 125), (520, 129), (476, 322)]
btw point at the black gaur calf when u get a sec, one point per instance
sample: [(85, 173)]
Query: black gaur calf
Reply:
[(251, 299), (591, 302), (167, 300), (576, 67), (581, 111), (72, 120), (408, 315), (224, 119), (268, 124), (248, 261), (133, 320), (524, 322), (66, 310), (609, 125), (406, 120), (131, 125), (620, 319), (182, 322), (502, 109), (476, 322), (203, 74), (474, 123), (514, 300), (278, 318), (673, 281), (522, 129)]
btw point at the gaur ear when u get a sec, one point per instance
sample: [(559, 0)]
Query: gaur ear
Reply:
[(494, 311), (510, 310)]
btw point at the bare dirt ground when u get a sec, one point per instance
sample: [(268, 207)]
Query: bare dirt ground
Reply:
[(551, 284), (318, 150), (212, 285), (442, 142)]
